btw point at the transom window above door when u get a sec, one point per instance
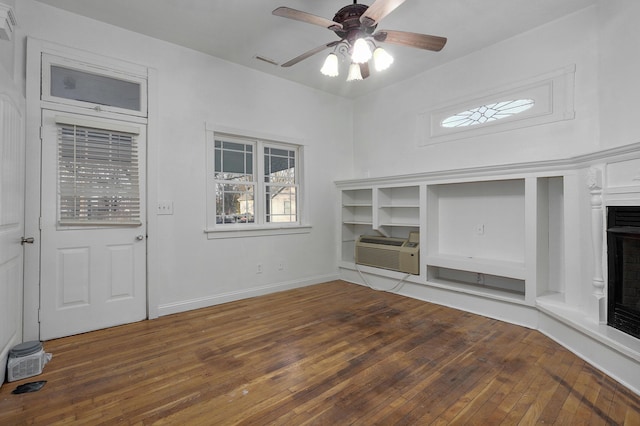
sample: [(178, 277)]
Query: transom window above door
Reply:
[(75, 83)]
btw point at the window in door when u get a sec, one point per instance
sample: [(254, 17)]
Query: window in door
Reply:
[(98, 176)]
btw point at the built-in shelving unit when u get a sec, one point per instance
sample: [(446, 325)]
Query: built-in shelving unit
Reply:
[(398, 210), (357, 219), (500, 236)]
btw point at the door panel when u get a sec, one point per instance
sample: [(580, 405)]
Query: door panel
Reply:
[(93, 274), (72, 282)]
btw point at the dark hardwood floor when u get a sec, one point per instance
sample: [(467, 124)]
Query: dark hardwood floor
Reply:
[(330, 354)]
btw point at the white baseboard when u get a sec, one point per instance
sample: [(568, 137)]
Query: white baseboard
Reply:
[(216, 299)]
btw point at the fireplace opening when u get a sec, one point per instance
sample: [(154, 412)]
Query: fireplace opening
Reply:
[(623, 248)]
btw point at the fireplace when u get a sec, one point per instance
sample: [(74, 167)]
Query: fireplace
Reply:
[(623, 244)]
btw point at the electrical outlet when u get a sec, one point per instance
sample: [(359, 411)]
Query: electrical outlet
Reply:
[(281, 265), (259, 268), (480, 229), (480, 278), (165, 207)]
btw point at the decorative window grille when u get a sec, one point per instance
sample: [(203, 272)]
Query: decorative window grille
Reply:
[(488, 112), (98, 177)]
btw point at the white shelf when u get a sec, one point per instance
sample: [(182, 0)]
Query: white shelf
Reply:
[(357, 205), (485, 292), (355, 222), (412, 225), (497, 267)]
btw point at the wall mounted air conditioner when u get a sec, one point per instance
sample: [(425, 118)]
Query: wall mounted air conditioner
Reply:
[(397, 254)]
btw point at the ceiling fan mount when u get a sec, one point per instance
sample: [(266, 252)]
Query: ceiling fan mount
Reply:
[(351, 27)]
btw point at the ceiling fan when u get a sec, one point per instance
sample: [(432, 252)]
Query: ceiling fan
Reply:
[(356, 25)]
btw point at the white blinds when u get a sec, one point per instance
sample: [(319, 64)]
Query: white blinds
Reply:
[(98, 179)]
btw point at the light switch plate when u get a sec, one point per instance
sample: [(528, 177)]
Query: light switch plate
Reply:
[(165, 207)]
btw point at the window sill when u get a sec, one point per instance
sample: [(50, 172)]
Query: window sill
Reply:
[(255, 231)]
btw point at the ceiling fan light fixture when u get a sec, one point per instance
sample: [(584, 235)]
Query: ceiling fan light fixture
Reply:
[(354, 72), (382, 59), (361, 51), (330, 66)]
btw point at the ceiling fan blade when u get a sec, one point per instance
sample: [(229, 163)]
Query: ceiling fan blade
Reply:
[(378, 10), (287, 12), (364, 70), (309, 53), (420, 41)]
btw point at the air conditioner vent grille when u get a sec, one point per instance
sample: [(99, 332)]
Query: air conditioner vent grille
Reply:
[(379, 257), (385, 242)]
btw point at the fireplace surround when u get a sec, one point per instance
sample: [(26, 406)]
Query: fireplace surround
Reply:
[(623, 244)]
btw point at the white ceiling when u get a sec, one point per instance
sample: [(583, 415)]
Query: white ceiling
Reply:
[(240, 30)]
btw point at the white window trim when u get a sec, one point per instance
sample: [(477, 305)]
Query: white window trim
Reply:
[(552, 92), (215, 231)]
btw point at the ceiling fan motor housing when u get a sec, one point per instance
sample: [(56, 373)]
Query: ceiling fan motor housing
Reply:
[(352, 28)]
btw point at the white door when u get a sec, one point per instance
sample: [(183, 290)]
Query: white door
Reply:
[(93, 226), (11, 224)]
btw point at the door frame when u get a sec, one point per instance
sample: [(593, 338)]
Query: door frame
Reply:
[(34, 107)]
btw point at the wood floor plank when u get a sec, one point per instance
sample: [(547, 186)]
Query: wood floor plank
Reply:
[(334, 354)]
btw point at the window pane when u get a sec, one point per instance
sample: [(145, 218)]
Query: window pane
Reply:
[(94, 88), (279, 152), (279, 166), (233, 161), (281, 204), (232, 146), (234, 203), (218, 160)]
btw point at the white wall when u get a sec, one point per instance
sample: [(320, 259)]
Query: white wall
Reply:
[(193, 88), (385, 122), (619, 63)]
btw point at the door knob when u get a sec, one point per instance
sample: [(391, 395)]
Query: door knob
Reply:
[(27, 240), (140, 237)]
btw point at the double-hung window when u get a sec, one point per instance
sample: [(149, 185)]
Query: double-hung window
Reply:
[(252, 183)]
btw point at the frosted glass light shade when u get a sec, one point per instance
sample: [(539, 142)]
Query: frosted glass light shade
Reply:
[(382, 60), (354, 72), (361, 52), (330, 67)]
